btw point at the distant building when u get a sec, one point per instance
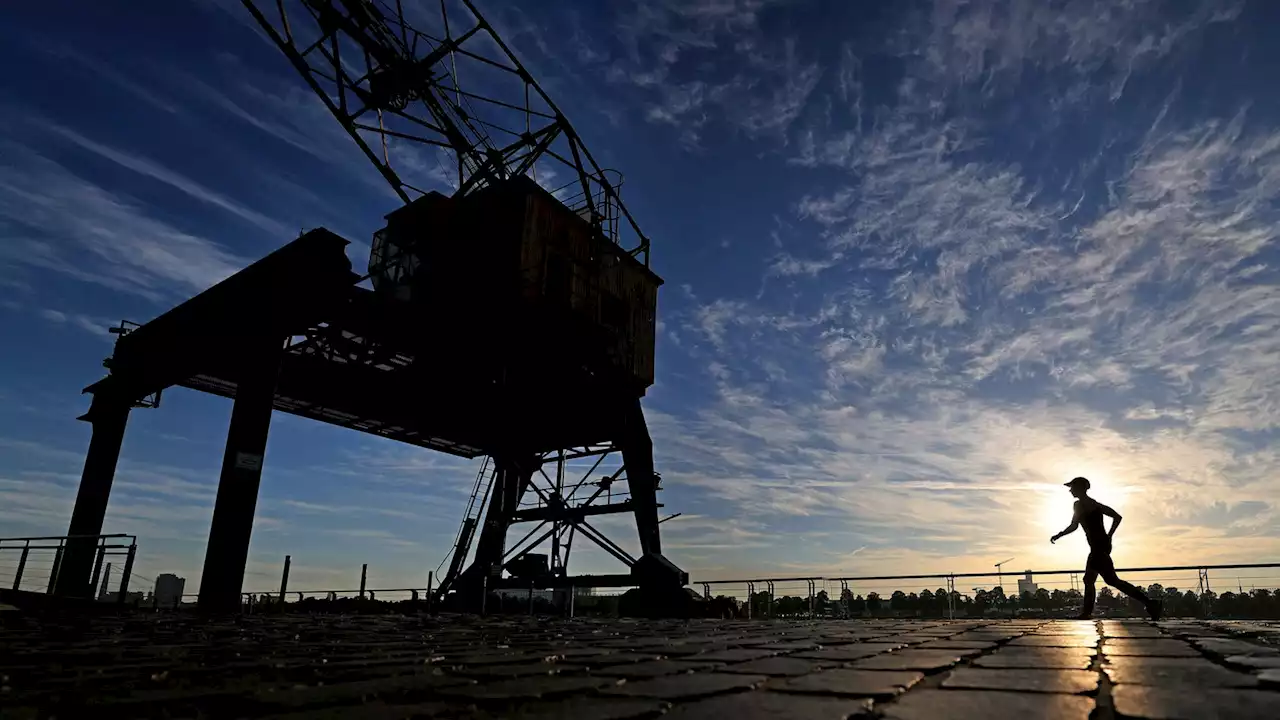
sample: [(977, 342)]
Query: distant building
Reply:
[(169, 590), (1026, 586)]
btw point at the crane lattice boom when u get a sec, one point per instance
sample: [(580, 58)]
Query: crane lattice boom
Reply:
[(417, 89)]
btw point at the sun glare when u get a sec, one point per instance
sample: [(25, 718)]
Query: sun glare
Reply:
[(1055, 510)]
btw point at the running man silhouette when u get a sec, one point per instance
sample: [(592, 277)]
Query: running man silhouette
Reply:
[(1089, 513)]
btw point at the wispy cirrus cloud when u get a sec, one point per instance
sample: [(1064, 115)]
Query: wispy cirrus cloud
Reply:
[(148, 168), (59, 222)]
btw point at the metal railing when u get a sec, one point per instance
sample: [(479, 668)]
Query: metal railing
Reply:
[(32, 554)]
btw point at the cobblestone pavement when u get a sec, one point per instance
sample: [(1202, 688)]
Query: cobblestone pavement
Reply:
[(394, 666)]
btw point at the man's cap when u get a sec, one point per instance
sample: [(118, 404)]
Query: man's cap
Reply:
[(1079, 482)]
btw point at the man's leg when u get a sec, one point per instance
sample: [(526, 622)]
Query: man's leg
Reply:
[(1090, 587), (1108, 571)]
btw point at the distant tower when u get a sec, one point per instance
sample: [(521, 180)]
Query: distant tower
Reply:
[(169, 590), (1025, 585)]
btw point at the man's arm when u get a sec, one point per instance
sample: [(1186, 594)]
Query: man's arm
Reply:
[(1111, 514), (1070, 529), (1075, 523)]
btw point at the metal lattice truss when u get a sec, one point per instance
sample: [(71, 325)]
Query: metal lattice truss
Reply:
[(561, 500), (436, 98), (569, 487)]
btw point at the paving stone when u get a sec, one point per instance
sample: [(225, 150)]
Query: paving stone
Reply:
[(376, 710), (584, 708), (1131, 630), (911, 660), (734, 655), (530, 688), (1172, 703), (687, 687), (847, 638), (1072, 640), (847, 653), (1056, 681), (1225, 647), (511, 671), (1165, 671), (401, 687), (776, 666), (609, 659), (985, 704), (955, 645), (654, 668), (786, 647), (1257, 662), (1148, 647), (910, 638), (879, 684), (762, 704), (1036, 657), (984, 636)]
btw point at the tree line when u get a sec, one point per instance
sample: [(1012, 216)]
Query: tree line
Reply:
[(1257, 604)]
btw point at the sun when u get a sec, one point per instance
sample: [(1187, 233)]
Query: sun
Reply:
[(1056, 505)]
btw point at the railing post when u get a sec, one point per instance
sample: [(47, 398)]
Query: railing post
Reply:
[(531, 597), (284, 578), (57, 565), (811, 599), (431, 578), (106, 582), (951, 597), (364, 575), (751, 598), (484, 594), (128, 570), (22, 565), (769, 584), (706, 591), (97, 567)]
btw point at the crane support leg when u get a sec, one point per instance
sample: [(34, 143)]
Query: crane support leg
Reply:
[(510, 483), (109, 415), (637, 454), (228, 550)]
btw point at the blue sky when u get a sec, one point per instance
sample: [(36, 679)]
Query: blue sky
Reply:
[(925, 261)]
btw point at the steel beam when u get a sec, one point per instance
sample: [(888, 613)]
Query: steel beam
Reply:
[(637, 454), (223, 576), (108, 413)]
